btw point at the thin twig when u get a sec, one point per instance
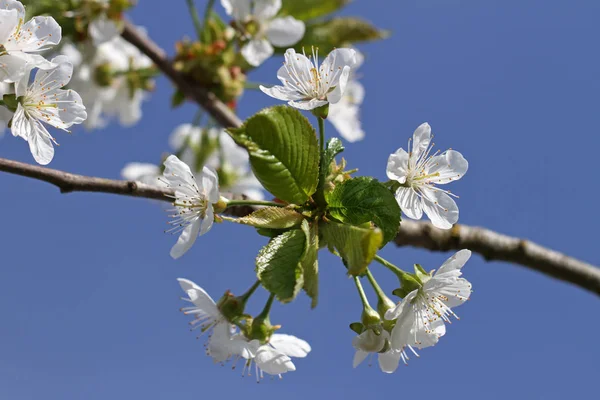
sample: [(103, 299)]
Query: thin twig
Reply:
[(491, 245)]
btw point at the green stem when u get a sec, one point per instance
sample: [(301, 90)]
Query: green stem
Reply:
[(361, 292), (265, 312), (322, 133), (389, 266), (250, 291), (195, 17), (376, 287), (233, 203), (207, 11)]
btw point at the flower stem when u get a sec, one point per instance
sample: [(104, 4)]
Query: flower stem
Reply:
[(244, 298), (207, 11), (321, 133), (195, 17), (361, 292), (233, 203), (389, 266), (376, 287), (265, 312)]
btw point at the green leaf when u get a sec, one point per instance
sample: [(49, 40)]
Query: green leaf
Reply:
[(337, 32), (334, 147), (310, 263), (278, 264), (357, 245), (364, 199), (284, 152), (308, 9), (273, 218)]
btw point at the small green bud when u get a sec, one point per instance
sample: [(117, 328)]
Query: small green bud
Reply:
[(252, 27), (232, 307), (420, 274), (384, 303), (103, 75), (220, 205), (262, 329)]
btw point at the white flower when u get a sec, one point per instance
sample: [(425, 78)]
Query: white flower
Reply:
[(208, 319), (344, 115), (194, 215), (272, 358), (421, 314), (418, 173), (113, 97), (44, 101), (262, 28), (103, 29), (143, 172), (369, 342), (21, 42), (185, 140), (308, 85)]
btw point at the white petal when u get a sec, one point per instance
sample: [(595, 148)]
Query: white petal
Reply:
[(207, 221), (219, 345), (452, 292), (200, 298), (336, 61), (186, 239), (14, 68), (103, 30), (266, 9), (451, 166), (179, 176), (307, 105), (183, 135), (410, 202), (281, 93), (32, 130), (421, 140), (290, 345), (397, 166), (345, 119), (237, 9), (394, 313), (257, 51), (426, 333), (359, 357), (337, 93), (142, 172), (210, 184), (273, 362), (9, 20), (242, 347), (37, 34), (440, 208), (388, 361), (455, 262), (285, 31)]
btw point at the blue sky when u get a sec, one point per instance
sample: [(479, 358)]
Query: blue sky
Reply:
[(88, 296)]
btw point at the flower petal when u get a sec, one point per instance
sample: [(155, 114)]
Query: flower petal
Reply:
[(207, 221), (14, 68), (397, 166), (410, 202), (187, 239), (440, 208), (359, 357), (290, 345), (454, 263), (266, 9), (38, 34), (337, 93), (32, 130), (237, 9), (142, 172), (209, 184), (200, 298), (451, 166), (388, 361), (335, 61), (285, 31), (9, 20), (307, 105), (257, 51), (272, 361), (103, 30), (421, 140), (281, 93)]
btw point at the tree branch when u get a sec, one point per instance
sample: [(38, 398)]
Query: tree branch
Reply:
[(491, 245)]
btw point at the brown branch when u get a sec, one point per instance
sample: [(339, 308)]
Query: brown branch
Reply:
[(496, 246), (207, 100), (491, 245)]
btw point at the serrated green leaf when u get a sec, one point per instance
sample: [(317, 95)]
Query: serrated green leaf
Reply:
[(272, 218), (336, 33), (364, 199), (310, 263), (284, 152), (278, 264), (357, 245), (308, 9)]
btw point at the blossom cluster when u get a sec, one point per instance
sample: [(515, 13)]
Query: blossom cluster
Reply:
[(44, 101)]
